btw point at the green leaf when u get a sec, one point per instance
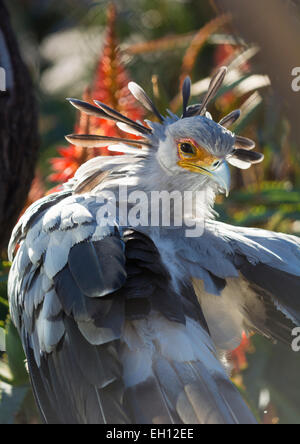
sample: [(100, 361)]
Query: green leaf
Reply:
[(3, 309), (15, 355), (274, 367), (5, 373), (11, 400)]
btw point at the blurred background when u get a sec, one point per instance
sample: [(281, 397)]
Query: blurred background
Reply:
[(85, 48)]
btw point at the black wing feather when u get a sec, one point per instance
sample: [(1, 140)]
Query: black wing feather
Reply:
[(275, 289), (103, 285), (186, 94)]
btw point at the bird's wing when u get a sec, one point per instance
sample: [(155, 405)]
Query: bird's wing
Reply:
[(245, 279), (107, 337)]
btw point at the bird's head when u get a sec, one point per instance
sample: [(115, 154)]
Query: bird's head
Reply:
[(187, 152), (195, 150)]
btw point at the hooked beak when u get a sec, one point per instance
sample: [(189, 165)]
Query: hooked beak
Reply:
[(220, 175)]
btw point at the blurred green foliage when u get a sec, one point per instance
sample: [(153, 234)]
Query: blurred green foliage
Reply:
[(16, 399), (61, 43)]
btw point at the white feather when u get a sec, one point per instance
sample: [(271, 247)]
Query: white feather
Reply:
[(38, 293), (46, 282), (51, 218), (52, 306), (57, 253), (53, 332), (128, 129), (96, 335), (38, 248), (22, 259), (239, 163), (144, 339), (137, 366), (81, 233), (32, 234), (77, 213), (223, 313), (122, 148)]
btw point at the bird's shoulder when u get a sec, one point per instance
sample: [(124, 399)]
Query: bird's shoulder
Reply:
[(66, 260), (42, 240)]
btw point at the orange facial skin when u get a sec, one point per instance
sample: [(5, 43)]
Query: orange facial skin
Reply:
[(199, 160)]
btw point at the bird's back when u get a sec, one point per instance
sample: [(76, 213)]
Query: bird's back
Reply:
[(108, 336)]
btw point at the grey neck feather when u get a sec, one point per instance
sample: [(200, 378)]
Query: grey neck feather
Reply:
[(139, 173)]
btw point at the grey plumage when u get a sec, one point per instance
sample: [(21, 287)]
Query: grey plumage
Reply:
[(121, 324)]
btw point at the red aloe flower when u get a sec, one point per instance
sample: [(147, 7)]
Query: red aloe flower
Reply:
[(109, 87), (238, 356), (72, 157)]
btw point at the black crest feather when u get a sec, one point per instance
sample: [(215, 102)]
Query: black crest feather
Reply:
[(244, 142), (248, 156), (115, 115), (94, 141), (214, 86), (186, 94), (140, 95), (230, 119)]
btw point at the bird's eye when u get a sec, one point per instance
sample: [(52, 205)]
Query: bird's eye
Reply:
[(187, 148)]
